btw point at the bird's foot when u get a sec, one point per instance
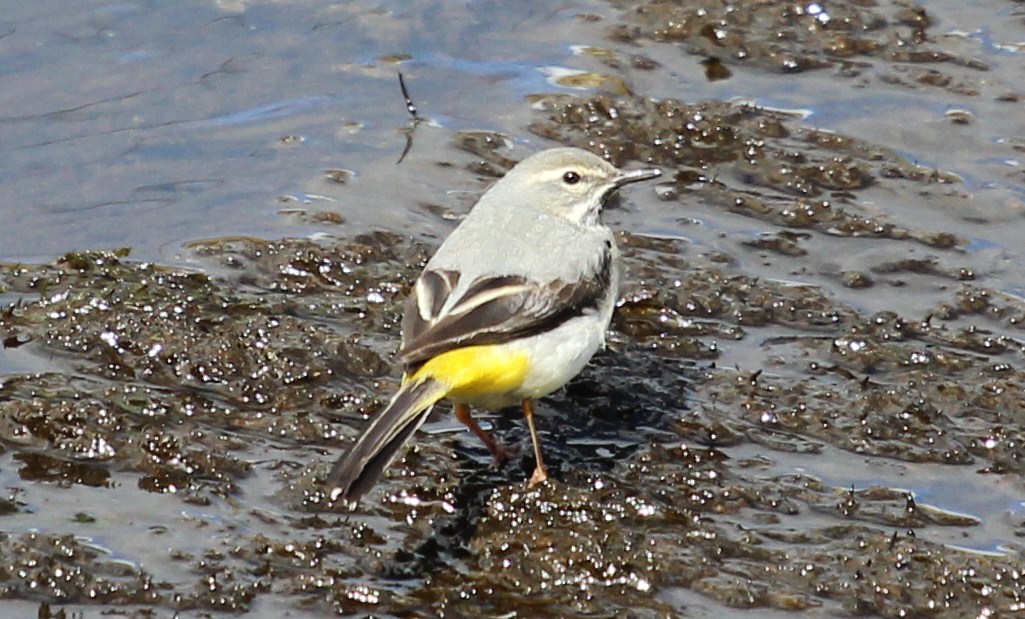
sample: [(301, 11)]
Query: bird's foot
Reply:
[(500, 454), (540, 475)]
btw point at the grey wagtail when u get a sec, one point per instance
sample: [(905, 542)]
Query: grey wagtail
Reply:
[(510, 308)]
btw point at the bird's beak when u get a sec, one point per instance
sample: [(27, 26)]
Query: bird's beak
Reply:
[(632, 176)]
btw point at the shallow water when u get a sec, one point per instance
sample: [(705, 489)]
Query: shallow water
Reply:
[(803, 372), (146, 125)]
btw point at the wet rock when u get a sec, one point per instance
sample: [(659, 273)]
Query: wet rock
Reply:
[(791, 37), (765, 165)]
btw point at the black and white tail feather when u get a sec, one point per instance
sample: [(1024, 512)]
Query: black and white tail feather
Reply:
[(361, 466)]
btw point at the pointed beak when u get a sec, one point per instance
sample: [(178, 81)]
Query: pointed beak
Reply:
[(625, 177), (632, 176)]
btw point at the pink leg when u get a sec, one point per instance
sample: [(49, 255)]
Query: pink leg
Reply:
[(499, 454), (540, 473)]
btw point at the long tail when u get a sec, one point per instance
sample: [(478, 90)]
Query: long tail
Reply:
[(360, 467)]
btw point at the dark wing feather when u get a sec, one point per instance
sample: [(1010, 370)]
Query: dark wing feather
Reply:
[(430, 292), (497, 309)]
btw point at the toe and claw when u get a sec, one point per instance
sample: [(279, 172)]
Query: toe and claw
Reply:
[(499, 453)]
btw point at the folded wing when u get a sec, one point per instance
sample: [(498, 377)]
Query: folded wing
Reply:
[(492, 310)]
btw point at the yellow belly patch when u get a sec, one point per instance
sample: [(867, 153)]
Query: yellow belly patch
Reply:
[(476, 371)]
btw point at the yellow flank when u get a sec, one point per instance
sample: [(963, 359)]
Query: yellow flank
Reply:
[(475, 371)]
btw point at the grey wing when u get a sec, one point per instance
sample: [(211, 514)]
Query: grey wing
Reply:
[(493, 310)]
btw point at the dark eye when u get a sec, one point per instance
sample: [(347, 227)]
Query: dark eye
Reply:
[(571, 178)]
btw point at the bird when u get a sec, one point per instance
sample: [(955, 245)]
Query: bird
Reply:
[(510, 307)]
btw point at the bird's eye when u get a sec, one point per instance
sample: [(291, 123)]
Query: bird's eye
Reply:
[(571, 178)]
